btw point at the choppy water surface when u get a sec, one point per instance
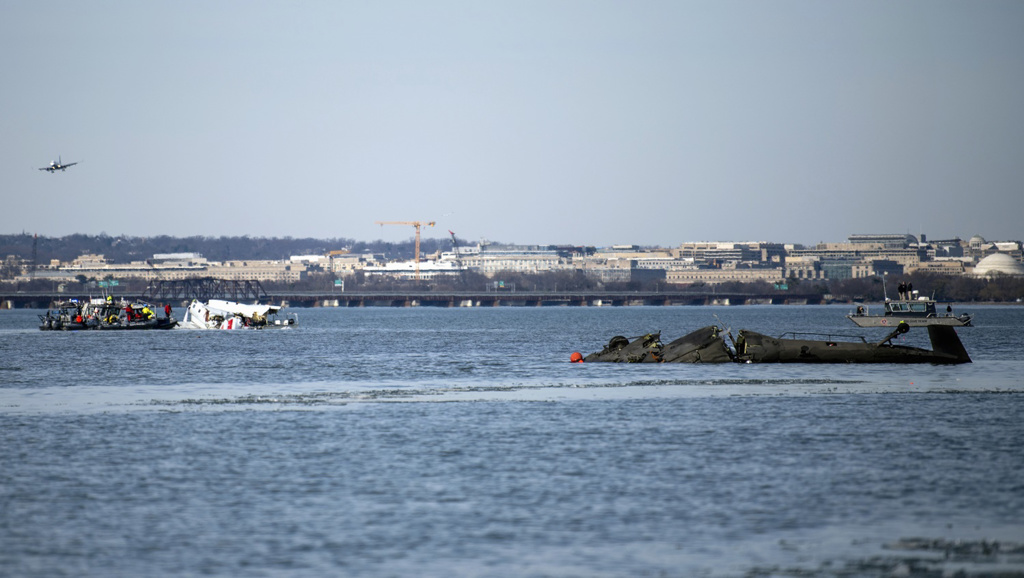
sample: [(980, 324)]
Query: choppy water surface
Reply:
[(461, 442)]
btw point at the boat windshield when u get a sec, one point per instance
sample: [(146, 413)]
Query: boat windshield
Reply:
[(911, 307)]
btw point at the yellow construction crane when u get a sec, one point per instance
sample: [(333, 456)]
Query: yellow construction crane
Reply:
[(416, 224)]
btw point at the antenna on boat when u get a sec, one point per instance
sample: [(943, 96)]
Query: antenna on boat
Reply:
[(885, 295)]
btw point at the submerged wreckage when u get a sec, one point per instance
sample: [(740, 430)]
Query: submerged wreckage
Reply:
[(220, 314), (708, 345)]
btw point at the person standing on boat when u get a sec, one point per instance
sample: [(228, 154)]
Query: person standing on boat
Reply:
[(128, 311), (167, 311), (910, 290), (902, 289)]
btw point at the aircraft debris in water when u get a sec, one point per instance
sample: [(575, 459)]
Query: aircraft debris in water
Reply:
[(708, 345), (220, 314)]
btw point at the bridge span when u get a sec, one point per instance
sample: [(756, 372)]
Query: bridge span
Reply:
[(43, 300), (539, 299)]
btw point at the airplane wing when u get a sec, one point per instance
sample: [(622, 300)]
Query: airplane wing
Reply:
[(69, 165)]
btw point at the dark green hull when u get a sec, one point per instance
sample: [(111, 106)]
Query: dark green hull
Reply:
[(706, 345)]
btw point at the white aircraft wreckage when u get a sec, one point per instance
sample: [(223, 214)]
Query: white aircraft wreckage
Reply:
[(219, 314)]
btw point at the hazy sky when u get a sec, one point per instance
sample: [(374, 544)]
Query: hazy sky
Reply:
[(530, 122)]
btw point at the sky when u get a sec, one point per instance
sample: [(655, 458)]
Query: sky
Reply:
[(533, 122)]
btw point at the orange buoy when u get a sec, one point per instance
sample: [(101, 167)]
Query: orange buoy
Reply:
[(576, 357)]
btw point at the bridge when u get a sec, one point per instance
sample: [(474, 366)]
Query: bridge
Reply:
[(254, 293), (537, 299)]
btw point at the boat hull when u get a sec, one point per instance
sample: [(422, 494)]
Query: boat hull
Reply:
[(892, 321), (103, 315), (156, 323)]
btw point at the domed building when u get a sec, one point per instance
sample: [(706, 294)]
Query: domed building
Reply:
[(998, 264)]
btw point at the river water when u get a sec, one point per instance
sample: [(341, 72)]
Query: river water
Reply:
[(461, 442)]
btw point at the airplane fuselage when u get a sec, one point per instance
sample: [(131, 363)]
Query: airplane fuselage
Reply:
[(57, 165)]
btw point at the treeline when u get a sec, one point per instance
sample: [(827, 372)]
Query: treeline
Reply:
[(999, 289), (124, 249), (942, 287)]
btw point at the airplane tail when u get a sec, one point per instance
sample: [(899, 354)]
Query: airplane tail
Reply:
[(945, 340)]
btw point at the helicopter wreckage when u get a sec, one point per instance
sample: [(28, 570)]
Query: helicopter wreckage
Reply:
[(708, 345)]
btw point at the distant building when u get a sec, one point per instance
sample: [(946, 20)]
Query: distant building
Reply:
[(407, 269), (310, 259), (947, 248), (888, 240), (803, 267), (837, 269), (172, 267), (998, 264), (944, 266), (280, 271), (907, 257), (348, 264), (492, 259), (178, 257), (863, 255), (715, 276)]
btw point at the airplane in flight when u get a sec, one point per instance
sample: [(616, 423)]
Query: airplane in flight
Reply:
[(57, 165)]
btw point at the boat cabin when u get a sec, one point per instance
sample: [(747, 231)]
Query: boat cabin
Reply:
[(920, 308)]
